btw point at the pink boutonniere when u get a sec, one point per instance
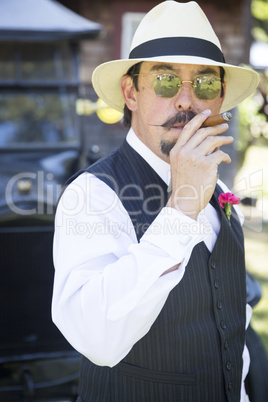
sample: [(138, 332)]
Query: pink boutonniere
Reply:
[(226, 201)]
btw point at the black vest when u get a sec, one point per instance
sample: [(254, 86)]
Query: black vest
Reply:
[(193, 351)]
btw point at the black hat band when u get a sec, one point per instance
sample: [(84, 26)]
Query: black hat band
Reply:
[(178, 46)]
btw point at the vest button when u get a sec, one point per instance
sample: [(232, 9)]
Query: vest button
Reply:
[(216, 284), (226, 345), (213, 264), (228, 366), (219, 304), (223, 325), (230, 386)]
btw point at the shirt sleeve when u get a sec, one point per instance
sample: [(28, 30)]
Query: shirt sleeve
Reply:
[(108, 288)]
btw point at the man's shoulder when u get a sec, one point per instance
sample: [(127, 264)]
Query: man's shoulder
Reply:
[(99, 167), (106, 162)]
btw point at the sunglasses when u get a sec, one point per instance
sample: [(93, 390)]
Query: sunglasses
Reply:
[(205, 87)]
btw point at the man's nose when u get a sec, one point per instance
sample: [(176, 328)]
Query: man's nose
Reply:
[(185, 96)]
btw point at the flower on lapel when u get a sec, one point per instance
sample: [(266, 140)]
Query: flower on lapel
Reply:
[(226, 201)]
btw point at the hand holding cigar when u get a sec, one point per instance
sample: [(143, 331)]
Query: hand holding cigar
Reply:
[(217, 119)]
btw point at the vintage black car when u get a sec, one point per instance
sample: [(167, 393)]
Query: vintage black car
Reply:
[(40, 147), (34, 164)]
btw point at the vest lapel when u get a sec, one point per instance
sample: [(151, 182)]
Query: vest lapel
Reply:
[(151, 190), (234, 229)]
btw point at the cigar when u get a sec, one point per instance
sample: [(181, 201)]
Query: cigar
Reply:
[(217, 119)]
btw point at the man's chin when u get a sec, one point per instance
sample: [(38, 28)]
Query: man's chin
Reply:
[(166, 147)]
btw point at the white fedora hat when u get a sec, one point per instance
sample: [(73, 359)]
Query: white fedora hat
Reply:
[(174, 32)]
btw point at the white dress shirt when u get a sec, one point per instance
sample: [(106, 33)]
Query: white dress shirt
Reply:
[(108, 288)]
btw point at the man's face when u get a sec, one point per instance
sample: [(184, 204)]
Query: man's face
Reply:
[(158, 121)]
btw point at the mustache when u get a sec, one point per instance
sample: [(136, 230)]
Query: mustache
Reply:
[(180, 117)]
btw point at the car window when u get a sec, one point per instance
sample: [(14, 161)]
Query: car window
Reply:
[(37, 119)]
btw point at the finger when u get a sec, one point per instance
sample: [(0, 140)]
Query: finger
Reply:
[(187, 155), (192, 126), (218, 157), (211, 143), (202, 134), (195, 123)]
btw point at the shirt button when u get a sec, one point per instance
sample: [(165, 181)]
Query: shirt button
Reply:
[(213, 264), (223, 325), (219, 304), (216, 284), (228, 366)]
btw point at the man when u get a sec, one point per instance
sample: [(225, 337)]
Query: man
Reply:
[(150, 283)]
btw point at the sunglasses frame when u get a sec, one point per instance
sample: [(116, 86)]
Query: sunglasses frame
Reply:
[(193, 83)]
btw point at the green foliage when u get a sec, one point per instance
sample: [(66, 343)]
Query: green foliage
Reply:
[(253, 112), (253, 116), (259, 34), (259, 10)]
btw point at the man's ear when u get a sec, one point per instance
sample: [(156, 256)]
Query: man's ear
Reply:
[(128, 92)]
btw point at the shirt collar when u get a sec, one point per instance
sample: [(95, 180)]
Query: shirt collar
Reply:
[(161, 167)]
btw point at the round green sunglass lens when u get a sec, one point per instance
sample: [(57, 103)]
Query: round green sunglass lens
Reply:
[(166, 85), (207, 88)]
